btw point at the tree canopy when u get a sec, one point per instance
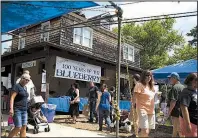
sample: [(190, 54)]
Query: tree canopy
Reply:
[(157, 37), (193, 33), (183, 53)]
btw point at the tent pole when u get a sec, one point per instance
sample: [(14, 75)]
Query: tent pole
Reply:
[(119, 13)]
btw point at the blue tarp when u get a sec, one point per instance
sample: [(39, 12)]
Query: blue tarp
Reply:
[(17, 14), (183, 69), (63, 103)]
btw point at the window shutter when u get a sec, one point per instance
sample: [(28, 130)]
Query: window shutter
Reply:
[(125, 52)]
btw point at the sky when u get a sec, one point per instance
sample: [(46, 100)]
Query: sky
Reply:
[(183, 25), (145, 9)]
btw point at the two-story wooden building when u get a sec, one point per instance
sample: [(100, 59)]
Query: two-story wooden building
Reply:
[(89, 47)]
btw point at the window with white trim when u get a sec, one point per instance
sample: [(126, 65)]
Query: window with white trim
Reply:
[(128, 52), (45, 35), (21, 41), (83, 36)]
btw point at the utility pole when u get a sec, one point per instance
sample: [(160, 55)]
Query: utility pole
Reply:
[(119, 13)]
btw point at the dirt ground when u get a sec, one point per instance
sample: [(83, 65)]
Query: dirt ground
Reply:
[(161, 131)]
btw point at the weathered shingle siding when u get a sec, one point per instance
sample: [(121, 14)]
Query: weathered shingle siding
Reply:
[(54, 36), (104, 42), (15, 43)]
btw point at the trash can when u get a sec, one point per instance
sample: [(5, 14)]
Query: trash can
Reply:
[(49, 111)]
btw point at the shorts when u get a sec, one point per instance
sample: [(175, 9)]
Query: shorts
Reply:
[(175, 112), (20, 118), (146, 121), (184, 132)]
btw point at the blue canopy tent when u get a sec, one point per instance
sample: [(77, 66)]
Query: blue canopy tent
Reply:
[(18, 14), (183, 69)]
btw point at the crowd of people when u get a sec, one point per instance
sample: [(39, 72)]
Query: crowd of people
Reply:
[(182, 103)]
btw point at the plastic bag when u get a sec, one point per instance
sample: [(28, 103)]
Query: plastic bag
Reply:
[(85, 111), (49, 106), (10, 121)]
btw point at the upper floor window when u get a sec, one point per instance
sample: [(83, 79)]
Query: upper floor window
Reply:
[(45, 35), (128, 52), (21, 41), (83, 36)]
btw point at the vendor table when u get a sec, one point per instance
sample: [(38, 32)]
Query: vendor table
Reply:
[(63, 103)]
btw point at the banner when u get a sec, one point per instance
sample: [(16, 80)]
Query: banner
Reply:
[(29, 64), (70, 69)]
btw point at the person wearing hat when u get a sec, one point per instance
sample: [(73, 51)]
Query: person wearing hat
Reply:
[(173, 98), (18, 106)]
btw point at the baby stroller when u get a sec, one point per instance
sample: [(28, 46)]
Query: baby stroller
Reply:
[(35, 115)]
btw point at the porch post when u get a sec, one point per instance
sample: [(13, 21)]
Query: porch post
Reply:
[(47, 58), (13, 67)]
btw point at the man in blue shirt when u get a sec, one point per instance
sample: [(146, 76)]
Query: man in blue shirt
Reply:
[(103, 104)]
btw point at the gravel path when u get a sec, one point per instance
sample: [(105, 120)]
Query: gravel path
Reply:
[(62, 127)]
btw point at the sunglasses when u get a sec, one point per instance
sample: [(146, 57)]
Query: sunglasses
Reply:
[(26, 80), (148, 75)]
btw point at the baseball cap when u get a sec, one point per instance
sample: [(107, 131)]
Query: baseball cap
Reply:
[(174, 75)]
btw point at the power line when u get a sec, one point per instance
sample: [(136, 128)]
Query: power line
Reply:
[(149, 18), (182, 13), (163, 15), (134, 21), (129, 3), (159, 17), (111, 23)]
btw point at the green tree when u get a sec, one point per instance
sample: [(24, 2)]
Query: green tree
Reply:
[(156, 37), (183, 53), (193, 33)]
